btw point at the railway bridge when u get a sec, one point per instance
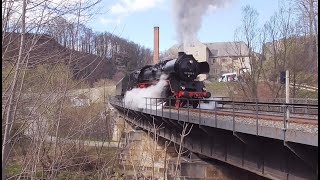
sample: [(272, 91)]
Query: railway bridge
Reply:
[(257, 136)]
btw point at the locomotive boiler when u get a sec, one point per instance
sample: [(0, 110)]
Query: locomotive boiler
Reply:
[(182, 84)]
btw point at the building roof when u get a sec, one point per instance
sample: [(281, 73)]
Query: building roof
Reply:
[(220, 49), (224, 49)]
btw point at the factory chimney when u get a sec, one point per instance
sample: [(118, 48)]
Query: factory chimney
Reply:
[(156, 46)]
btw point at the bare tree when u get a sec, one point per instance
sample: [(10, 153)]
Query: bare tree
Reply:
[(287, 49), (185, 132), (38, 82), (18, 117), (249, 33), (279, 32), (307, 11), (12, 106)]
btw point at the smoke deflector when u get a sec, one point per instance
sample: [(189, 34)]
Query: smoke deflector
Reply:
[(204, 68)]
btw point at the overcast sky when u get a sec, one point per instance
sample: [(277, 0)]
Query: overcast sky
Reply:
[(135, 19)]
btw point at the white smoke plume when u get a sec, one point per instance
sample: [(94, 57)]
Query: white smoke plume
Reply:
[(211, 103), (136, 98), (188, 17), (209, 106)]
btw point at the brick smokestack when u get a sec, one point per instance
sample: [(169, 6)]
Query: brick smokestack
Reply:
[(156, 46)]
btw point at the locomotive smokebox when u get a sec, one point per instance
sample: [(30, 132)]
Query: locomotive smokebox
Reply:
[(204, 68)]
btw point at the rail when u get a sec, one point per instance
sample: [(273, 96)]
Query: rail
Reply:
[(296, 109), (270, 100)]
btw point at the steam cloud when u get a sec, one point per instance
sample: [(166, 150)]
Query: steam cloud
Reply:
[(136, 98), (188, 17), (209, 106)]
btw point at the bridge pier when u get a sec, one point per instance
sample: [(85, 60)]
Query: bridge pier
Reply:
[(190, 165)]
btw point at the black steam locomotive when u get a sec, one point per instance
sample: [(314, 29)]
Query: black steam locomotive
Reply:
[(182, 73)]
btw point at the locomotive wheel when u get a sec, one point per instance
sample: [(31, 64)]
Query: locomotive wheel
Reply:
[(195, 104)]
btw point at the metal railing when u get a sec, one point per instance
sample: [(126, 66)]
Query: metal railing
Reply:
[(227, 104), (233, 110)]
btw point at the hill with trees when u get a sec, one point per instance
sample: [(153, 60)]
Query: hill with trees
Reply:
[(46, 53)]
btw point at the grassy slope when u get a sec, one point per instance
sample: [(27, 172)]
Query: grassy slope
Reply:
[(230, 88), (220, 88)]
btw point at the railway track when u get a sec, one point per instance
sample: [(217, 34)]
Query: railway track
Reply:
[(253, 110), (275, 107), (247, 114), (272, 111)]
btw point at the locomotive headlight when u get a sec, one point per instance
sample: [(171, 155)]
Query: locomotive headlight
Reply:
[(204, 89), (183, 87), (190, 61)]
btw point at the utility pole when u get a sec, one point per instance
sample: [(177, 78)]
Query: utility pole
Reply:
[(284, 79), (287, 97)]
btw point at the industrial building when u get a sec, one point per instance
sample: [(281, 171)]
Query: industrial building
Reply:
[(223, 57)]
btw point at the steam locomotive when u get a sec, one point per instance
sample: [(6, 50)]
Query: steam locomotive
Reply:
[(182, 84)]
